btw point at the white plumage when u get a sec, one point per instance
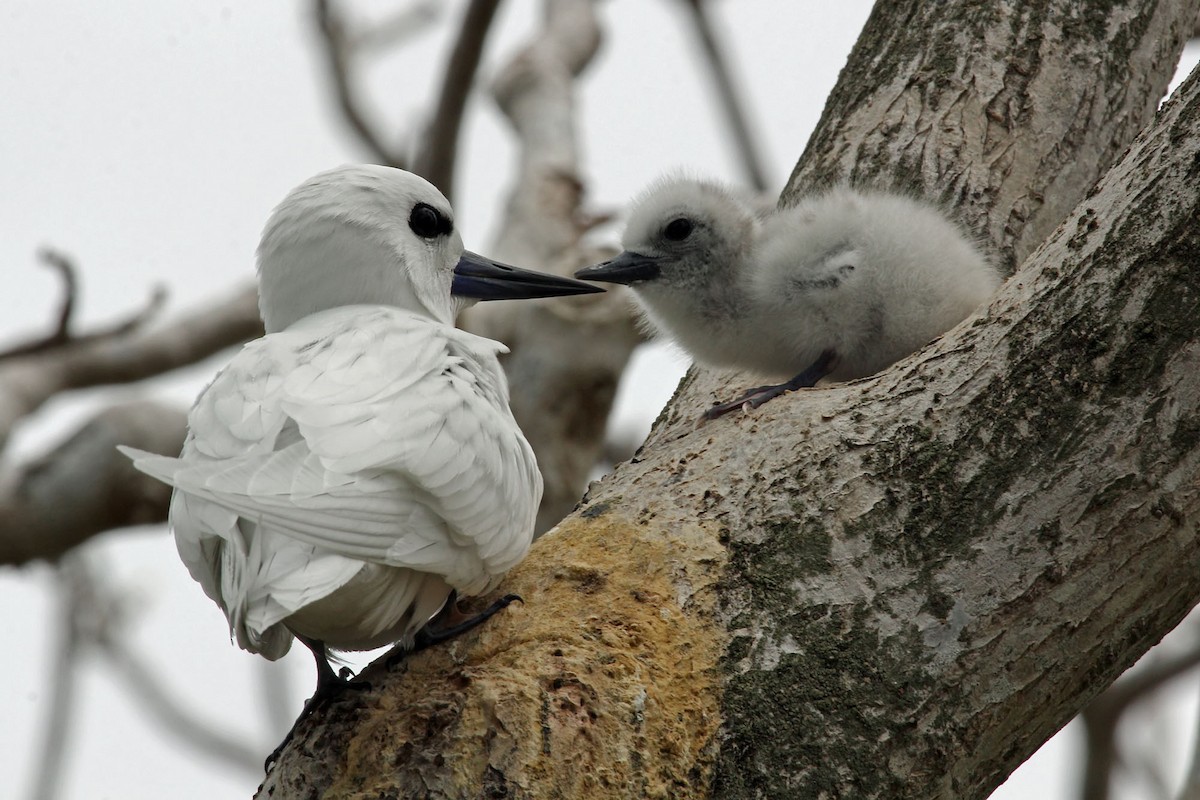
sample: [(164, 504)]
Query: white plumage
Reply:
[(349, 469), (840, 285)]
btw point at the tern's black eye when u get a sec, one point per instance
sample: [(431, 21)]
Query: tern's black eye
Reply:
[(427, 222), (678, 229)]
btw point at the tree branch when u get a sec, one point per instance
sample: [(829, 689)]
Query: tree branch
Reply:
[(995, 118), (440, 151), (728, 96), (899, 586), (338, 51), (402, 25), (93, 617), (567, 353), (144, 684), (1190, 790), (1102, 716), (66, 269), (62, 333), (56, 732), (124, 354), (104, 490)]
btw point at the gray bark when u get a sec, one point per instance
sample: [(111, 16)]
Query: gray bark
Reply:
[(898, 587)]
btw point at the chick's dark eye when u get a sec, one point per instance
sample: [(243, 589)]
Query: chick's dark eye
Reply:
[(678, 229), (427, 222)]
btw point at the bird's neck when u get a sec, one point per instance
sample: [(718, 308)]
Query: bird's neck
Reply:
[(334, 271)]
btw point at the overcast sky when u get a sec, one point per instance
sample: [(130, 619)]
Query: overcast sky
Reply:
[(151, 140)]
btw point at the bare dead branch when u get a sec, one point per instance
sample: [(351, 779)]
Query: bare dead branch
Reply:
[(275, 695), (160, 704), (1190, 790), (93, 616), (406, 23), (62, 333), (440, 149), (105, 490), (1104, 714), (338, 51), (728, 96), (567, 353), (56, 732), (126, 353), (60, 262)]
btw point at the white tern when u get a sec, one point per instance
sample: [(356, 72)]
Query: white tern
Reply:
[(840, 285), (349, 472)]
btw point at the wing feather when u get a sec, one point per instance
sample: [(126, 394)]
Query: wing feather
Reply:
[(377, 436)]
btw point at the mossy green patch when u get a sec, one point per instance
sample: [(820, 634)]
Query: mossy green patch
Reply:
[(782, 723), (788, 552)]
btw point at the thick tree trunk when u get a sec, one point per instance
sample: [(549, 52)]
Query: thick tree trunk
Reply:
[(897, 587)]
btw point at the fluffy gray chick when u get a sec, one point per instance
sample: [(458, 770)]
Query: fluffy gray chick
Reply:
[(840, 286)]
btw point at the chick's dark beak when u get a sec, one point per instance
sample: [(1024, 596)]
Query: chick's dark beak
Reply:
[(481, 278), (626, 268)]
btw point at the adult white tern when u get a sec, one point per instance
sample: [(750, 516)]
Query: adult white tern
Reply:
[(351, 470)]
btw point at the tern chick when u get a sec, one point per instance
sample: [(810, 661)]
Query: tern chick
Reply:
[(840, 286), (348, 473)]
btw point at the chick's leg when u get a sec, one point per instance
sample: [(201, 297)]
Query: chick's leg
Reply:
[(755, 397)]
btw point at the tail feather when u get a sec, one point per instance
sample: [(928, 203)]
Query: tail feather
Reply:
[(157, 466)]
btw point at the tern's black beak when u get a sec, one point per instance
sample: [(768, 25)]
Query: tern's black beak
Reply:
[(625, 268), (483, 279)]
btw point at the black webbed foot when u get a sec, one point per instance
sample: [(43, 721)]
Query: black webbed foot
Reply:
[(753, 398), (448, 623), (330, 686)]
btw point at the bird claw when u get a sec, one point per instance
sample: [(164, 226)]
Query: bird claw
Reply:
[(327, 691), (759, 395), (329, 687), (750, 399), (432, 634)]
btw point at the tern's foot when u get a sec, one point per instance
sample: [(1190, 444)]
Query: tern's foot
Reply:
[(330, 686), (448, 623), (751, 398), (327, 692)]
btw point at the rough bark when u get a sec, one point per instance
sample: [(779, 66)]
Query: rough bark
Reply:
[(1007, 111), (898, 587)]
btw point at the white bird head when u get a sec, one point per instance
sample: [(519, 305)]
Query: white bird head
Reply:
[(367, 234), (682, 234)]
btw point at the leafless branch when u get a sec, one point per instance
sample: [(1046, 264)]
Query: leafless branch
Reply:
[(56, 732), (1104, 713), (93, 616), (105, 490), (731, 104), (406, 23), (126, 353), (275, 696), (62, 333), (440, 149), (567, 353), (144, 684), (1190, 790), (339, 52), (58, 261)]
